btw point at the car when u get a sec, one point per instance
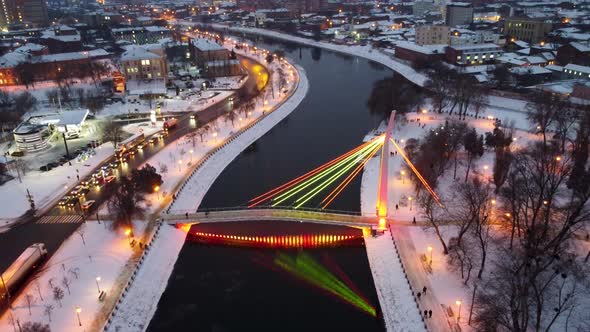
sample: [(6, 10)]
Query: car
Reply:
[(53, 164), (88, 204), (45, 168), (72, 201), (62, 202), (85, 183), (192, 116), (109, 179)]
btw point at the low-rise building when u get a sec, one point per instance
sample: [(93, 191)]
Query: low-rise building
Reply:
[(144, 63), (577, 71), (203, 50), (574, 52), (472, 54), (418, 55), (141, 35), (529, 30), (432, 35)]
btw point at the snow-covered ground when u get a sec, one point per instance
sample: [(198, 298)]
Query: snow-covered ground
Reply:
[(101, 254), (139, 305), (400, 311), (46, 187)]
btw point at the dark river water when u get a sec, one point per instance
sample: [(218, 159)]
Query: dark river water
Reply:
[(225, 288)]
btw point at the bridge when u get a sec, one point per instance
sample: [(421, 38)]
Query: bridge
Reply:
[(319, 216)]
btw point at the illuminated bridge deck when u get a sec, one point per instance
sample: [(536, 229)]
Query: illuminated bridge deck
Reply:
[(330, 218)]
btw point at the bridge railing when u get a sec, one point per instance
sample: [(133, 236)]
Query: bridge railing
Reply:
[(267, 207)]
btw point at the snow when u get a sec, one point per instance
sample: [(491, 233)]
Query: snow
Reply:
[(399, 308), (363, 51), (140, 303), (104, 253), (46, 187)]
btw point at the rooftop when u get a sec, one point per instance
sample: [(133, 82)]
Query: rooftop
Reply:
[(206, 45)]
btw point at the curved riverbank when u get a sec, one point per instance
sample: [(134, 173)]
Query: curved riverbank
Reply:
[(367, 52), (138, 306)]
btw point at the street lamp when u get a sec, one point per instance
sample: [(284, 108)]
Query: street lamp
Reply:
[(78, 311), (179, 163), (459, 314), (410, 199), (157, 190), (128, 234), (191, 151), (215, 137), (430, 250), (97, 285), (403, 178)]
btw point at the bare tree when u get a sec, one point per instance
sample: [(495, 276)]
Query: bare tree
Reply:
[(66, 283), (474, 148), (112, 132), (81, 233), (58, 295), (431, 211), (47, 310), (35, 327), (75, 272), (30, 300), (38, 287), (542, 110)]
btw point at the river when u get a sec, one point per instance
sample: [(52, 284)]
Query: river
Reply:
[(216, 288)]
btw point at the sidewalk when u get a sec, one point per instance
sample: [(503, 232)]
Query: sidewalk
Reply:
[(417, 276)]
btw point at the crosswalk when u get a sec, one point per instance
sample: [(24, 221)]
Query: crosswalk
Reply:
[(63, 219)]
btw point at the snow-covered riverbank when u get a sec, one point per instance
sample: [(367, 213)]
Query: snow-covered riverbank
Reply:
[(367, 51), (137, 308)]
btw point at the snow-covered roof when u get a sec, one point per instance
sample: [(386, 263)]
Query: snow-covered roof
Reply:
[(70, 56), (425, 49), (65, 118), (521, 43), (206, 45), (12, 59), (580, 46), (577, 68), (156, 29), (554, 68), (135, 52), (30, 47), (533, 70), (475, 46)]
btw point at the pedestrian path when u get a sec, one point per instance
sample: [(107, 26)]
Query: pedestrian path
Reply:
[(416, 275), (400, 311), (63, 219)]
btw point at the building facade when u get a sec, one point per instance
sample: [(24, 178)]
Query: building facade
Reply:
[(204, 50), (14, 12), (142, 64), (532, 31), (472, 54), (459, 13), (432, 35)]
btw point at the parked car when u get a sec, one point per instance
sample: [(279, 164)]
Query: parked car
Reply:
[(88, 204), (45, 168), (53, 164)]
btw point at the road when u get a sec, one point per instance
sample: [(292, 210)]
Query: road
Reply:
[(58, 223)]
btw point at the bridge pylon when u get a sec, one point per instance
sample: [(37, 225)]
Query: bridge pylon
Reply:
[(382, 193)]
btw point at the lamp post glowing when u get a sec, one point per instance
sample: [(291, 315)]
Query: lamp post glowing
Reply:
[(191, 152), (459, 313), (97, 285), (179, 163), (78, 311), (410, 199), (430, 250), (128, 234), (214, 137), (403, 178), (157, 191)]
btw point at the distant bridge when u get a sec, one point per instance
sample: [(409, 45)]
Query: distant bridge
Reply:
[(341, 218)]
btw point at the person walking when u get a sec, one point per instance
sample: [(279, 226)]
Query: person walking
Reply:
[(419, 294), (429, 313), (425, 313), (424, 290), (414, 220)]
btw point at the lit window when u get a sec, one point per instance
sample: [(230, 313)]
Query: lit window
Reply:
[(145, 62), (458, 57)]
